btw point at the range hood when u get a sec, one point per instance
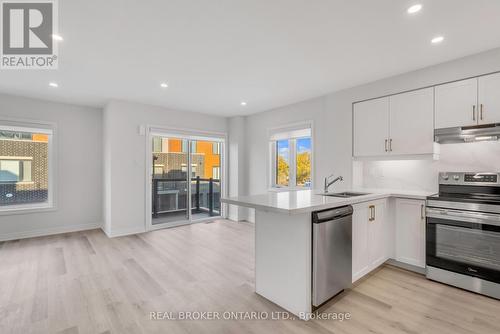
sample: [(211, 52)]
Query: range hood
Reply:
[(467, 134)]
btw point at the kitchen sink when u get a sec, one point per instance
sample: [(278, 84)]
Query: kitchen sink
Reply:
[(344, 194)]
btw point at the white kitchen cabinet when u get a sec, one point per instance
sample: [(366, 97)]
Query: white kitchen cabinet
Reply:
[(399, 125), (360, 252), (456, 104), (489, 99), (412, 122), (371, 127), (369, 237), (410, 232)]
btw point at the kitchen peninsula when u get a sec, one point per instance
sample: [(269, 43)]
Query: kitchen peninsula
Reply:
[(283, 238)]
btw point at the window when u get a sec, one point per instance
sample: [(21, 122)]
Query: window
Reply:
[(193, 169), (216, 173), (158, 169), (193, 147), (215, 148), (303, 162), (25, 168), (157, 144), (282, 163), (291, 153), (15, 170), (160, 145)]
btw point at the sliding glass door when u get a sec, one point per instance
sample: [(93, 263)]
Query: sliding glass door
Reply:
[(186, 180), (206, 179), (170, 198)]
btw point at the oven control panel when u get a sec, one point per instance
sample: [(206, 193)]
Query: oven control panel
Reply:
[(481, 178), (469, 178)]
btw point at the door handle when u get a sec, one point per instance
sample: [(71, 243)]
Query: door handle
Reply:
[(474, 113), (386, 145), (481, 112), (422, 212), (390, 145)]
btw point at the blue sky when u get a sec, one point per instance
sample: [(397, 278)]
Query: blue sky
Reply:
[(303, 145)]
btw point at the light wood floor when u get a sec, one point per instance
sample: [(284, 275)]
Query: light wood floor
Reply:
[(86, 283)]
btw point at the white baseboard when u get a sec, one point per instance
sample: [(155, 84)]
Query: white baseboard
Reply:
[(124, 231), (406, 266), (48, 231)]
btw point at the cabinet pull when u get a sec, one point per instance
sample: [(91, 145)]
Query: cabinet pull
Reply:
[(390, 145), (372, 213), (481, 112), (473, 113), (386, 145), (422, 212)]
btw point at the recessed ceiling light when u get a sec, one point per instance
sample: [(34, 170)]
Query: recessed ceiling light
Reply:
[(164, 85), (56, 37), (414, 9), (437, 39), (53, 84), (243, 103)]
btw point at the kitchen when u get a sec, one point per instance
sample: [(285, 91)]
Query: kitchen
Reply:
[(406, 147)]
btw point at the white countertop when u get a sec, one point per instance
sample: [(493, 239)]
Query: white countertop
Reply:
[(304, 201)]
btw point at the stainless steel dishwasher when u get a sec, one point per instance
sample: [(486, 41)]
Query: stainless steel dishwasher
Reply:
[(332, 253)]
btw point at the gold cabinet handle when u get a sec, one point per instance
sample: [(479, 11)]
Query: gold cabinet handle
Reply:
[(474, 113), (372, 213)]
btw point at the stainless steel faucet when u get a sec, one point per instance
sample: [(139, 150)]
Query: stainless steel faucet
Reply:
[(329, 183)]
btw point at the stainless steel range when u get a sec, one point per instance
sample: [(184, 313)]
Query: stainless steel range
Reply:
[(463, 232)]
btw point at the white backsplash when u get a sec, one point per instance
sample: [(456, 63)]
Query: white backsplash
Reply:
[(423, 174)]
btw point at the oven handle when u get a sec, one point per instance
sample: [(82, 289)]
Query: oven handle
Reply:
[(464, 216)]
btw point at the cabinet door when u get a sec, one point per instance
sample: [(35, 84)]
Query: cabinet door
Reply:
[(410, 232), (456, 104), (489, 99), (377, 235), (371, 127), (360, 253), (412, 122)]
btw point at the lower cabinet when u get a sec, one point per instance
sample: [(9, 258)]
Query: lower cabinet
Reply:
[(410, 231), (370, 232)]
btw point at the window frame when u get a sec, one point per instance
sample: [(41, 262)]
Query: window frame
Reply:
[(292, 147), (49, 129)]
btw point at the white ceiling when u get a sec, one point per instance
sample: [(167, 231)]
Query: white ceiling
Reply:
[(270, 53)]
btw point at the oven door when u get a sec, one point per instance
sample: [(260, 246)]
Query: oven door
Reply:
[(464, 242)]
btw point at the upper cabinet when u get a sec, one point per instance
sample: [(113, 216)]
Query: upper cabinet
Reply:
[(371, 127), (412, 122), (402, 125), (398, 125), (468, 102), (489, 99), (456, 104)]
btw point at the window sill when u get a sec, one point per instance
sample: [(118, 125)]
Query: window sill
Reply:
[(26, 209), (275, 189)]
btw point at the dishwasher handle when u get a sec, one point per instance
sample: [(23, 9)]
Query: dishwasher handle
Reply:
[(332, 214)]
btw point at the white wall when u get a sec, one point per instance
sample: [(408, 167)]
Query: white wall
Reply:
[(257, 148), (79, 168), (237, 165), (332, 116), (125, 158)]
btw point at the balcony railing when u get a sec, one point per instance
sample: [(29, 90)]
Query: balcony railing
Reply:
[(170, 195)]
